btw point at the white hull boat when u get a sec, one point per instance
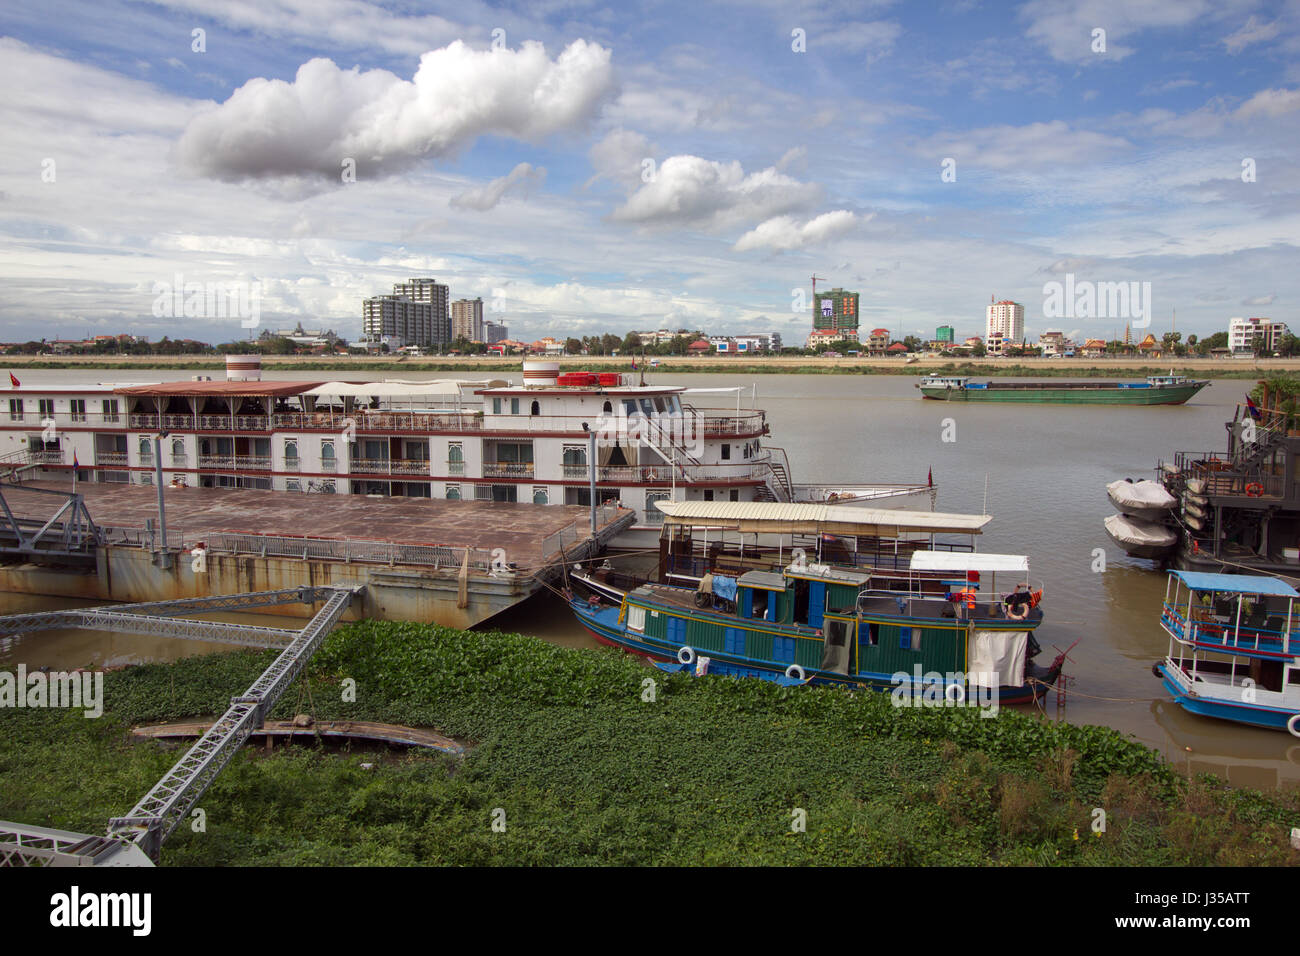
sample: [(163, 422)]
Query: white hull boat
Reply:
[(1141, 539)]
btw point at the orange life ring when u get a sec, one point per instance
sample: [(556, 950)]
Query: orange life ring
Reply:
[(1254, 489)]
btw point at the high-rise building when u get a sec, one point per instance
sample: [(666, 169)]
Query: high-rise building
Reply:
[(494, 332), (945, 333), (1005, 326), (836, 310), (415, 314), (1244, 334), (467, 319)]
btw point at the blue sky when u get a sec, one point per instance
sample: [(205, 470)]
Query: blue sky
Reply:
[(593, 169)]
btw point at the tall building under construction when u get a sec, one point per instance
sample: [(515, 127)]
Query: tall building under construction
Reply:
[(836, 311)]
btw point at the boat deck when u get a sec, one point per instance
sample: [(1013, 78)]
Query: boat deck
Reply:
[(519, 529)]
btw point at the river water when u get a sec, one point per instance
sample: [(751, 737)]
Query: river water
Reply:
[(1043, 469)]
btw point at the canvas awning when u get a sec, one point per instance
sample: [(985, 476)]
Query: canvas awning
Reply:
[(968, 561), (404, 390), (803, 518)]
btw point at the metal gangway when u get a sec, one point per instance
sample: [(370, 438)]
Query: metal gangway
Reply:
[(136, 839), (69, 535)]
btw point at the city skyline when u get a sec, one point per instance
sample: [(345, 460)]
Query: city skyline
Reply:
[(684, 166)]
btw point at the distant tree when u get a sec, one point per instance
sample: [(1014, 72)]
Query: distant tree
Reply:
[(573, 346), (631, 342)]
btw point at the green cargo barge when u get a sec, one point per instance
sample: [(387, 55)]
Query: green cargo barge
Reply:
[(1156, 390)]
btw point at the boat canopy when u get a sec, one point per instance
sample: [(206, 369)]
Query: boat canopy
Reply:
[(763, 580), (804, 518), (1235, 583), (968, 561), (389, 389)]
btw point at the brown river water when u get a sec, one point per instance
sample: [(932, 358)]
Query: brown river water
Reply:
[(1044, 469)]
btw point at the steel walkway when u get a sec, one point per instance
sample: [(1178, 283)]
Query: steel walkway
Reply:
[(137, 838)]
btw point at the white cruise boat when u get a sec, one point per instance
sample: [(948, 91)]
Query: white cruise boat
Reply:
[(488, 440)]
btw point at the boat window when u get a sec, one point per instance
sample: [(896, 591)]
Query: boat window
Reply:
[(909, 638), (659, 403), (514, 406), (761, 602), (635, 618), (726, 452), (537, 408), (629, 406), (837, 633), (647, 406), (873, 635), (608, 409)]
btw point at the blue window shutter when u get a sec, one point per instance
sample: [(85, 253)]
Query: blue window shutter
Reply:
[(905, 638)]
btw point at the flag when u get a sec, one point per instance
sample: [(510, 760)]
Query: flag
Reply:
[(13, 381), (929, 479), (1250, 407), (634, 364), (75, 466)]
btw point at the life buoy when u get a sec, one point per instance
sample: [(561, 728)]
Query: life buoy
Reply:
[(685, 655), (1293, 725), (1017, 612), (796, 672), (1254, 489)]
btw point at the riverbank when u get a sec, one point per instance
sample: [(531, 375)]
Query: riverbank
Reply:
[(1130, 368), (566, 750)]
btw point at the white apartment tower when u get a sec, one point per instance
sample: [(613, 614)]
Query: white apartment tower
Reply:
[(415, 314), (1004, 325)]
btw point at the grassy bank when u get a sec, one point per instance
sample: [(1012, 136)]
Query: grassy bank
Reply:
[(587, 772)]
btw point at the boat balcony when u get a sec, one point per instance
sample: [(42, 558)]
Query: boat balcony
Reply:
[(1266, 639), (389, 466), (507, 469), (1226, 477), (236, 462)]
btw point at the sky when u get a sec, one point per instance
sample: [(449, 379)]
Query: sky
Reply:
[(589, 168)]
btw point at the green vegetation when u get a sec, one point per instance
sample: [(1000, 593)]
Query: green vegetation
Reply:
[(587, 772)]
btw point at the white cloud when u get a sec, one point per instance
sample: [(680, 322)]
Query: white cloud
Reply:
[(620, 157), (521, 179), (1260, 299), (270, 128), (1252, 32), (688, 190), (1269, 103), (785, 232), (1065, 27)]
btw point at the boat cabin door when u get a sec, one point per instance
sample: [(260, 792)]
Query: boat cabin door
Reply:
[(838, 644)]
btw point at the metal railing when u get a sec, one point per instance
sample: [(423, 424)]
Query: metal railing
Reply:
[(507, 469), (348, 551), (579, 529)]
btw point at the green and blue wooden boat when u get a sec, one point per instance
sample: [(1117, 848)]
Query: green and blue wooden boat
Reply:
[(834, 625), (1156, 390)]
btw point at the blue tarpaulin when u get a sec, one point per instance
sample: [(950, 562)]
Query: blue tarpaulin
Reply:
[(724, 587)]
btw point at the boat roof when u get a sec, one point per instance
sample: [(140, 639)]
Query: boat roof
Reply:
[(1235, 583), (765, 580), (827, 572), (968, 561), (441, 388), (805, 518), (263, 388)]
